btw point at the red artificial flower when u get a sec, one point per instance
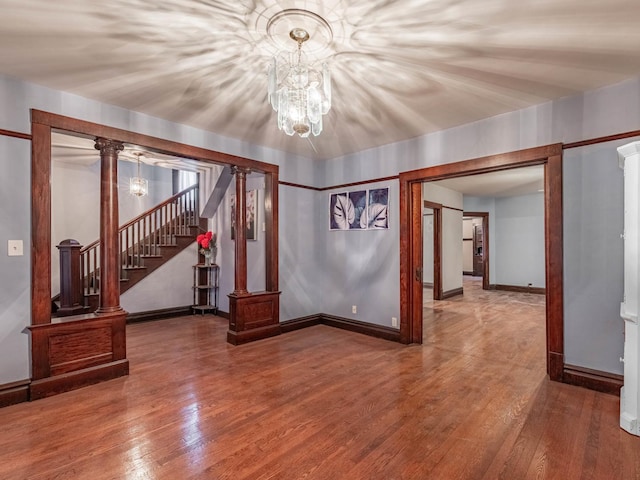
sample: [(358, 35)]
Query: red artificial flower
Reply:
[(205, 243), (209, 235), (199, 238)]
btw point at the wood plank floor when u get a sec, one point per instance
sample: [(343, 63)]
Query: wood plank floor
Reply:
[(473, 402)]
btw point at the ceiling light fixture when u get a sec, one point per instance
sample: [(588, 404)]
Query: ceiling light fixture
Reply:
[(138, 186), (299, 93)]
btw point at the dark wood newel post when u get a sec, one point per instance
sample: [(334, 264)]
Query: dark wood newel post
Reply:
[(240, 287), (70, 278), (109, 242)]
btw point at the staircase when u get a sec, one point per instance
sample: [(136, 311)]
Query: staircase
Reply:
[(146, 242)]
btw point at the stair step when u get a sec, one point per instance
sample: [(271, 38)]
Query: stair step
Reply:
[(134, 268)]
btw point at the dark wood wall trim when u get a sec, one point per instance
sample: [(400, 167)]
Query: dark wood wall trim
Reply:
[(520, 289), (159, 314), (378, 331), (300, 323), (14, 392), (452, 293), (593, 379), (453, 208), (370, 329), (608, 138), (47, 387), (298, 185), (344, 185), (10, 133)]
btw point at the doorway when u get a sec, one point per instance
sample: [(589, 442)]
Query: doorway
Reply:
[(476, 241), (411, 294)]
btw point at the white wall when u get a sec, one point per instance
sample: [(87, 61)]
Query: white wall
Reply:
[(451, 253), (519, 231), (427, 245)]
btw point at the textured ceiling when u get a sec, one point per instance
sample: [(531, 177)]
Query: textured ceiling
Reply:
[(401, 68)]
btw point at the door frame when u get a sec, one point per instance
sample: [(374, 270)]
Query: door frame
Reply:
[(485, 245), (411, 240)]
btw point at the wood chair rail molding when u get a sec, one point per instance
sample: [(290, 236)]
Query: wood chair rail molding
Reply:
[(411, 245)]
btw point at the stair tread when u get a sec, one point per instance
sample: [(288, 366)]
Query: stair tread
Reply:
[(134, 268)]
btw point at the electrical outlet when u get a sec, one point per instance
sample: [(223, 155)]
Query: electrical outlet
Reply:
[(394, 322), (354, 309)]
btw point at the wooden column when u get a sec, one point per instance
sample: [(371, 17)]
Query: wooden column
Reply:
[(255, 315), (271, 234), (240, 287), (109, 242), (40, 224)]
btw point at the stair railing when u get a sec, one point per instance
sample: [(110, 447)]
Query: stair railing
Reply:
[(144, 235)]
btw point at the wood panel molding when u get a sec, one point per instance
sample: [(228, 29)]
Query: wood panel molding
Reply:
[(77, 351), (253, 317), (520, 289), (14, 392), (452, 293), (593, 379)]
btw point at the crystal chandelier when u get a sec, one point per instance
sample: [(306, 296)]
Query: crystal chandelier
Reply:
[(138, 186), (298, 92)]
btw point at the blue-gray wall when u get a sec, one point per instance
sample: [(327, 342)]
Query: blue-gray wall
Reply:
[(323, 271)]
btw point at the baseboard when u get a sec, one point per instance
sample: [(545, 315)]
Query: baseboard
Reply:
[(593, 379), (300, 323), (14, 392), (372, 330), (519, 289), (222, 314), (378, 331), (158, 314), (49, 386), (467, 273), (452, 293), (247, 336), (427, 284)]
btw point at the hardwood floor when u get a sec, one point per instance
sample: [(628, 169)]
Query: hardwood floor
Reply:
[(473, 402)]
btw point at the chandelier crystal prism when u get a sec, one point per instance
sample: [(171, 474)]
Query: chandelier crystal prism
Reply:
[(300, 93)]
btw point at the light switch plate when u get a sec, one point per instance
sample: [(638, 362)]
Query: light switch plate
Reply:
[(15, 248)]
